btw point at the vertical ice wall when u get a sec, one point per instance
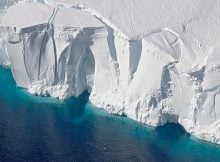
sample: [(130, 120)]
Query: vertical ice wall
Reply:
[(55, 56), (154, 78)]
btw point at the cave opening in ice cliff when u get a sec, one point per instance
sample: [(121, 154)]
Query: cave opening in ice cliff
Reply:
[(151, 71)]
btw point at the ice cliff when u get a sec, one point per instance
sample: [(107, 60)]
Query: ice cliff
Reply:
[(154, 61)]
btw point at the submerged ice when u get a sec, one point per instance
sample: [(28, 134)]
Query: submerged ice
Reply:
[(155, 66)]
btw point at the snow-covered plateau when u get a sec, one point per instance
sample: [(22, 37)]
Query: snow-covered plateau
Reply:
[(155, 61)]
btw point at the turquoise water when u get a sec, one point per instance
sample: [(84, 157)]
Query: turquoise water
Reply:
[(43, 129)]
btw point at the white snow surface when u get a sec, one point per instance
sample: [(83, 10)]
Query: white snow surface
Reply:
[(154, 61)]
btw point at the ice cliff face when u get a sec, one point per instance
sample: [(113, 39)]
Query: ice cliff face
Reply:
[(154, 61)]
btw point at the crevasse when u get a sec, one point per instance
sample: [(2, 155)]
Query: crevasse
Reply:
[(153, 78)]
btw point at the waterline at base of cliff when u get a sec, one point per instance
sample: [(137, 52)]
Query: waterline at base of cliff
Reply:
[(44, 129)]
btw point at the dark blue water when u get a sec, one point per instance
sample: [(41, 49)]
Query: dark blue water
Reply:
[(43, 129)]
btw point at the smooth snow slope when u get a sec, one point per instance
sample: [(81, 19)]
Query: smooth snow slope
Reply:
[(154, 61)]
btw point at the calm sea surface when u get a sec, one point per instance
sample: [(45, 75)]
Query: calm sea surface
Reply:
[(44, 129)]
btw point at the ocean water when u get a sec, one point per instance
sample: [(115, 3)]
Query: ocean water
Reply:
[(44, 129)]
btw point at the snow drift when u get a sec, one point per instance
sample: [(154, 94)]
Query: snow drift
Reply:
[(154, 61)]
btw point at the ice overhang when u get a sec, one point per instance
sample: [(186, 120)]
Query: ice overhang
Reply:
[(24, 15)]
